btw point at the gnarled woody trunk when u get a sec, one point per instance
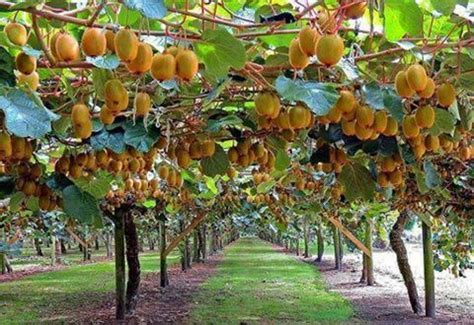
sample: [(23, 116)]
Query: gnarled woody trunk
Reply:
[(133, 248), (402, 259)]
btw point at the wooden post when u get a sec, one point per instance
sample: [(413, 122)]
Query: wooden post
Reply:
[(119, 266), (369, 259), (430, 306), (320, 237), (337, 251), (306, 239), (163, 267), (53, 249)]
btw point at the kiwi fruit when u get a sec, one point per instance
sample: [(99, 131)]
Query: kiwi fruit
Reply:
[(416, 77), (380, 121), (298, 59), (187, 65), (142, 104), (330, 49), (163, 67), (126, 45), (106, 115), (81, 121), (429, 89), (402, 86), (432, 142), (143, 61), (116, 96), (66, 47), (425, 116), (94, 42), (16, 33), (354, 11), (110, 40), (392, 127), (346, 102), (308, 37), (446, 94), (348, 127), (5, 145), (365, 116), (30, 80), (410, 127), (25, 63), (298, 117), (264, 104)]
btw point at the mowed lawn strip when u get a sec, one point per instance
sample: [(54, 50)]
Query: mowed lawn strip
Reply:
[(255, 284), (32, 298)]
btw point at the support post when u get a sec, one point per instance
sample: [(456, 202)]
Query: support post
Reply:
[(119, 265), (337, 251), (163, 266), (320, 237), (430, 306), (369, 259)]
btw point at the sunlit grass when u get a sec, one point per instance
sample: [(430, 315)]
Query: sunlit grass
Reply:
[(256, 284)]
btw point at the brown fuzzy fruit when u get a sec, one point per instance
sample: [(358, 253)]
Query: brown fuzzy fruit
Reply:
[(410, 128), (298, 59), (183, 158), (25, 63), (106, 115), (208, 148), (432, 142), (392, 127), (5, 145), (380, 122), (126, 45), (346, 102), (81, 121), (348, 127), (382, 180), (402, 86), (365, 116), (308, 39), (116, 96), (18, 148), (334, 115), (16, 33), (330, 49), (446, 94), (416, 77), (363, 133), (425, 116), (110, 40), (143, 60), (187, 65), (142, 104), (326, 21), (67, 47), (429, 89), (30, 80), (94, 42), (264, 104), (297, 117), (396, 177), (354, 11), (163, 67)]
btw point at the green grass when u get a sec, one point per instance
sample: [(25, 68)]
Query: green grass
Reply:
[(256, 284), (36, 297)]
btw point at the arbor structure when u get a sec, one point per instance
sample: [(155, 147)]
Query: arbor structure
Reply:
[(193, 119)]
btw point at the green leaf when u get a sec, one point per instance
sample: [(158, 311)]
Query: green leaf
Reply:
[(402, 17), (393, 103), (444, 122), (7, 75), (445, 7), (266, 186), (373, 95), (149, 204), (432, 178), (217, 164), (421, 181), (220, 50), (24, 117), (140, 138), (229, 120), (282, 160), (25, 5), (15, 201), (80, 205), (357, 182), (113, 140), (319, 97), (98, 187), (32, 52), (211, 185), (99, 78), (154, 9), (108, 62)]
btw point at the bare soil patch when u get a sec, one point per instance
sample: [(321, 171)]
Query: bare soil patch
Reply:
[(157, 305), (387, 301)]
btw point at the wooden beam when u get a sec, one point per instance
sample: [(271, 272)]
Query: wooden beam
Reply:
[(350, 236), (76, 237), (196, 221)]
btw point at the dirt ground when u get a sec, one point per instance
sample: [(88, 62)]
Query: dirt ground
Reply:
[(157, 305), (387, 301)]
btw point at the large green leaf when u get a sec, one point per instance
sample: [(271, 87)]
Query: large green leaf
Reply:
[(98, 186), (109, 62), (373, 95), (319, 97), (393, 103), (357, 182), (24, 117), (445, 7), (113, 140), (99, 78), (444, 122), (220, 51), (80, 205), (402, 17), (217, 164), (7, 76), (139, 137), (154, 9), (282, 160), (432, 178), (215, 125)]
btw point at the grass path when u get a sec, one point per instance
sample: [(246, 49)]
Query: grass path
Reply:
[(34, 297), (257, 284)]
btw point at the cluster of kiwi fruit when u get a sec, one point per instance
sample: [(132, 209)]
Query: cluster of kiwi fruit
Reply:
[(260, 199), (415, 80), (391, 171), (170, 175), (337, 160), (186, 151), (260, 177), (321, 39), (246, 153), (15, 149)]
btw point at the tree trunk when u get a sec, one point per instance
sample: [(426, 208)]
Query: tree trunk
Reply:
[(133, 262), (204, 243), (430, 306), (163, 267), (306, 239), (187, 249), (297, 247), (38, 249), (63, 247), (3, 264), (182, 249), (337, 250), (320, 237), (363, 276), (119, 265), (402, 259), (108, 245), (341, 246), (53, 250), (97, 245), (369, 266), (196, 255), (151, 243)]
